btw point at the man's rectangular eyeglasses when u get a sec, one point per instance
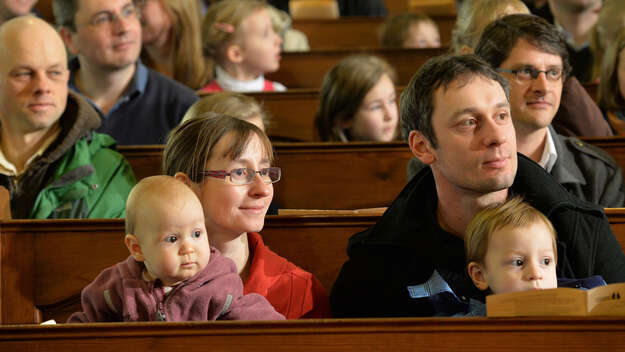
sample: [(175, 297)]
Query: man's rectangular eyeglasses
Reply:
[(528, 73), (245, 175)]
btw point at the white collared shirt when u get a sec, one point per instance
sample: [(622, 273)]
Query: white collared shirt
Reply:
[(549, 157), (7, 167), (229, 83)]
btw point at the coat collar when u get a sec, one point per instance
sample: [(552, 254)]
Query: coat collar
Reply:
[(565, 170), (410, 221)]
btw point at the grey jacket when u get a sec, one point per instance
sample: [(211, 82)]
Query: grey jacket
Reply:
[(587, 171), (583, 169)]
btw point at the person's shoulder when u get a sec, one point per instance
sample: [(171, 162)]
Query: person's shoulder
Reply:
[(157, 80), (113, 275), (544, 193), (277, 262), (576, 145), (219, 264), (103, 147), (586, 154)]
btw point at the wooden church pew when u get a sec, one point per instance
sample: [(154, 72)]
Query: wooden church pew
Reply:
[(403, 334), (365, 175), (45, 264), (357, 32), (306, 69), (292, 113)]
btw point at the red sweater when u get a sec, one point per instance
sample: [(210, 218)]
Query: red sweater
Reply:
[(293, 292)]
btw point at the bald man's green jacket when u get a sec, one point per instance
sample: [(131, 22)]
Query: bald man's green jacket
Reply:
[(80, 175)]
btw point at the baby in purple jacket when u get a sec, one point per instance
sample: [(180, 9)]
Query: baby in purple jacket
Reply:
[(172, 274)]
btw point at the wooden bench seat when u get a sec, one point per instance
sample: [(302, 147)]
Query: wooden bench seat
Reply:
[(45, 264), (432, 334)]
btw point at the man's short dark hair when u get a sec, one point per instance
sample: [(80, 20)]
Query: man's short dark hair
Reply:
[(500, 36), (64, 13), (417, 100)]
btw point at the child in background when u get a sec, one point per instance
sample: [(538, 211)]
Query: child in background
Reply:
[(172, 274), (232, 104), (410, 30), (292, 39), (512, 247), (240, 42), (474, 16), (358, 102)]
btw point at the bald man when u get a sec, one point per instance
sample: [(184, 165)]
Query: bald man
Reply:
[(51, 161)]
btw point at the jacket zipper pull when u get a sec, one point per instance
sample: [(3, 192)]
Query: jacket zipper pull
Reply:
[(160, 315)]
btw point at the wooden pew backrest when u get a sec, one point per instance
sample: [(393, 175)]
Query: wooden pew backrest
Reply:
[(358, 32), (306, 69), (45, 264), (318, 175), (337, 175), (292, 113)]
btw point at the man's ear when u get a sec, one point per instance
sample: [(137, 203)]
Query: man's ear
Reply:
[(234, 53), (421, 147), (134, 247), (68, 39), (478, 275)]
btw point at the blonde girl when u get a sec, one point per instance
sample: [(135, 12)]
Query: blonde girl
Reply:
[(241, 45), (232, 104)]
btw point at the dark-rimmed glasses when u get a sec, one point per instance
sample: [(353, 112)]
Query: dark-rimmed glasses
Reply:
[(245, 175), (528, 73)]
